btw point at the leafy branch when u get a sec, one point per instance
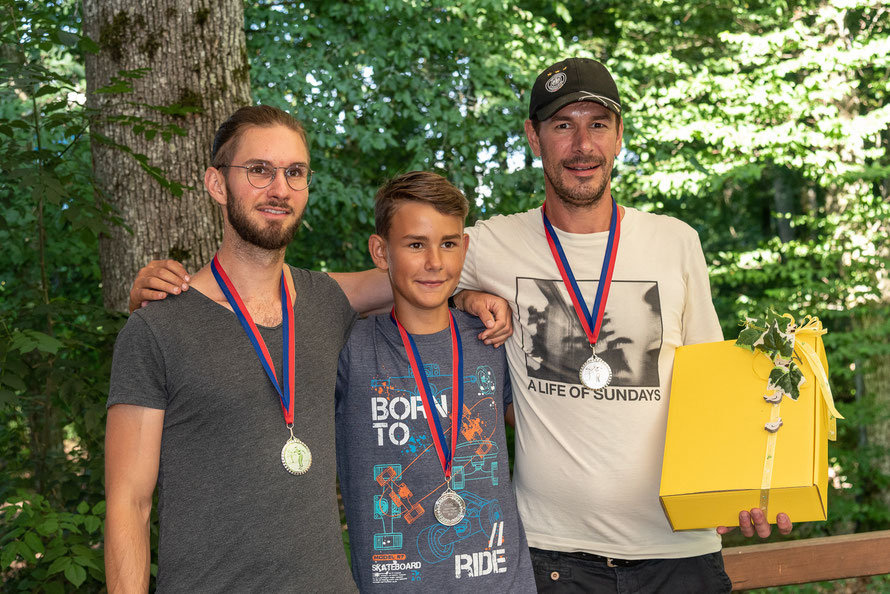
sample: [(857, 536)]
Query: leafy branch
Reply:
[(773, 335)]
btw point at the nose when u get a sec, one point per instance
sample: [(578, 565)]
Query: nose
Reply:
[(279, 187), (433, 259), (583, 140)]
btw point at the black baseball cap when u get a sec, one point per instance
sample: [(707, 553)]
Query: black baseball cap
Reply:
[(569, 81)]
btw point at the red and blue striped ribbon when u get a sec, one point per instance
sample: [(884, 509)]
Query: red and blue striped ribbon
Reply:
[(591, 321), (285, 392), (423, 386)]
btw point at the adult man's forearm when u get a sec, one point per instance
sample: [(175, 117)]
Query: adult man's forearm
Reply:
[(127, 548), (368, 291)]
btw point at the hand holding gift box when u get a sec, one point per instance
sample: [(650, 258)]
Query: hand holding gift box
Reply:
[(749, 428)]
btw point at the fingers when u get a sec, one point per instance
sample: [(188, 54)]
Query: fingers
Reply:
[(498, 334), (745, 524), (783, 523), (495, 336), (156, 280), (501, 327), (493, 311), (755, 522), (721, 530), (761, 524), (161, 280), (487, 318), (170, 271)]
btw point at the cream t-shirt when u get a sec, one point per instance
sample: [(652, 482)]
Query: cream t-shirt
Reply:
[(588, 463)]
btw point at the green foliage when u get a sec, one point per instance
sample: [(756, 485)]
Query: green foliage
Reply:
[(55, 342), (48, 550), (773, 335), (388, 87)]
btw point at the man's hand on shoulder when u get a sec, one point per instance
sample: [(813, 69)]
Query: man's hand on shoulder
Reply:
[(755, 521), (156, 280), (494, 312)]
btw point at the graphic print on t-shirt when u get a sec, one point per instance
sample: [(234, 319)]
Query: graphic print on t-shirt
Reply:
[(408, 479), (555, 345)]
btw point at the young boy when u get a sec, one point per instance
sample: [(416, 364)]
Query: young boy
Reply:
[(422, 458)]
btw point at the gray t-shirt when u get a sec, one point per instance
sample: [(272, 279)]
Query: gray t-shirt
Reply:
[(391, 477), (232, 519)]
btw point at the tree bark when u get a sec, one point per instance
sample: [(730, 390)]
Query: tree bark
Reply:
[(783, 204), (197, 56)]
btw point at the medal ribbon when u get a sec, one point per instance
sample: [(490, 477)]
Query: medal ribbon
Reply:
[(423, 386), (285, 392), (591, 321)]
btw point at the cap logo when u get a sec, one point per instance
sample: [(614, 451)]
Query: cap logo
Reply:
[(556, 82)]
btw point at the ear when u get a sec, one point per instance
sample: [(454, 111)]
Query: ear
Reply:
[(377, 248), (466, 242), (532, 138), (215, 184)]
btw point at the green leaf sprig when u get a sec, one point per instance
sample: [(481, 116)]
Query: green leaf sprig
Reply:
[(773, 335)]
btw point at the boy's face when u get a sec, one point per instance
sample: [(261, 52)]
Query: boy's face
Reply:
[(423, 254)]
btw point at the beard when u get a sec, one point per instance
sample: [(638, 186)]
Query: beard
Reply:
[(274, 236), (589, 191)]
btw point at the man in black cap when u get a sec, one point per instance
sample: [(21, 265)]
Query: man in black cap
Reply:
[(602, 295)]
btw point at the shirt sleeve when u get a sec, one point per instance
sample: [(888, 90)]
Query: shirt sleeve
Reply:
[(137, 369), (469, 275), (700, 322)]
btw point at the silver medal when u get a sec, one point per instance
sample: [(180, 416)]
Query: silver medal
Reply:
[(595, 373), (450, 508), (295, 456)]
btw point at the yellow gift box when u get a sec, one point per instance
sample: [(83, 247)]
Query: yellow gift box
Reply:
[(720, 457)]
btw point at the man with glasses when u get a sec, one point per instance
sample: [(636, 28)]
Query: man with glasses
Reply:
[(243, 457)]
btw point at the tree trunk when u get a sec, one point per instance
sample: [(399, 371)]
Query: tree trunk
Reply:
[(783, 204), (197, 56)]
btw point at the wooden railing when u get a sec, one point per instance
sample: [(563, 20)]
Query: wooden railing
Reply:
[(810, 560)]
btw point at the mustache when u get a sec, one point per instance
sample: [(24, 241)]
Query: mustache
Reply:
[(277, 205), (584, 161)]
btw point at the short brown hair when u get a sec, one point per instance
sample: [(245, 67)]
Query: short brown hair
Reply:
[(417, 186), (225, 143)]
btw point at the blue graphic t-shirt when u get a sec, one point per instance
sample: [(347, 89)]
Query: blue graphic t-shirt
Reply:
[(391, 477)]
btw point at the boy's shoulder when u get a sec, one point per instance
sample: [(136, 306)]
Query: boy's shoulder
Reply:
[(379, 322), (380, 327), (467, 322)]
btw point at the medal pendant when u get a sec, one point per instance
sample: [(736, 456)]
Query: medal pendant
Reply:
[(595, 373), (295, 456), (450, 508)]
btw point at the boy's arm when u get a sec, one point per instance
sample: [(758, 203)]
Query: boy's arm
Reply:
[(510, 416), (132, 456)]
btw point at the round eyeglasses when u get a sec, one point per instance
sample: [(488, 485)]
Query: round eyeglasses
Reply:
[(260, 175)]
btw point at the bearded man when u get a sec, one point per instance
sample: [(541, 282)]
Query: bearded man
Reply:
[(242, 453)]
